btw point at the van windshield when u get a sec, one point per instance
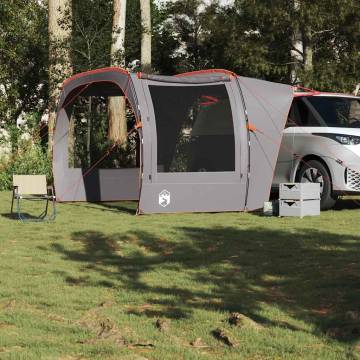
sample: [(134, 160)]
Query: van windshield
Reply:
[(334, 111)]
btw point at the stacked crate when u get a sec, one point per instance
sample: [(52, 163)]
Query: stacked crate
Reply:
[(299, 199)]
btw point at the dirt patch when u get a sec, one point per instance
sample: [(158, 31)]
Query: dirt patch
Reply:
[(6, 326), (241, 320), (107, 304), (10, 349), (133, 357), (162, 325), (221, 334), (165, 247), (104, 328), (57, 318), (198, 343), (8, 304)]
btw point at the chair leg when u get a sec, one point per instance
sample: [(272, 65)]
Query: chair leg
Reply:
[(19, 208), (46, 208), (12, 202), (42, 217), (53, 214)]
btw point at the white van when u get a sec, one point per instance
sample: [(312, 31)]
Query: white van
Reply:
[(321, 143)]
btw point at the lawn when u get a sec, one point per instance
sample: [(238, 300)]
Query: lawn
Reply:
[(92, 285)]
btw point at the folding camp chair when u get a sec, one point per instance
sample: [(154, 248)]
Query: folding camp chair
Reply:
[(33, 187)]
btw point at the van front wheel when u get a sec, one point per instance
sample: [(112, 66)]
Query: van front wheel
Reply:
[(314, 171)]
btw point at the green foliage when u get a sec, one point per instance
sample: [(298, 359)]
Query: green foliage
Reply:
[(254, 38), (165, 43), (336, 46), (133, 31), (330, 28), (261, 41), (91, 35), (23, 58), (31, 159), (188, 20)]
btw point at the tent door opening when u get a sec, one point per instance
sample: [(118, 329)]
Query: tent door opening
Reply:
[(95, 167)]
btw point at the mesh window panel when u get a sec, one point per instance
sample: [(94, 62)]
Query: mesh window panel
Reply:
[(195, 130), (89, 142)]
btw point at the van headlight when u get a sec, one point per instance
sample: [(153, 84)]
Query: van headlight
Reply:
[(341, 138)]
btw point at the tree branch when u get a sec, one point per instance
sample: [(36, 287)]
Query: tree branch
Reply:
[(297, 50), (321, 31)]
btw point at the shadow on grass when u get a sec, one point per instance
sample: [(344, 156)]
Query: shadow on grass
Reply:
[(348, 204), (128, 207), (11, 216), (313, 275), (27, 216)]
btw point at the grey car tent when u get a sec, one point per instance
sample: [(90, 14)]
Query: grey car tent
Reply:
[(209, 140)]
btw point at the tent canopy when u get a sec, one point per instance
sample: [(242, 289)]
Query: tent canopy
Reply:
[(209, 140)]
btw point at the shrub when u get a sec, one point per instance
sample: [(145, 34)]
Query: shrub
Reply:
[(30, 159)]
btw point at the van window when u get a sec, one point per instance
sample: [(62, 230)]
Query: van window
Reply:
[(325, 111), (337, 111), (301, 114)]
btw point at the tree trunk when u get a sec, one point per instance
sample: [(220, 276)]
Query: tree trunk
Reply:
[(117, 119), (296, 55), (357, 88), (60, 17), (117, 104), (308, 49), (145, 35), (308, 56), (297, 51)]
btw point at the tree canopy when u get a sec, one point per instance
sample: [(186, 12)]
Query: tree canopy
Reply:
[(251, 37)]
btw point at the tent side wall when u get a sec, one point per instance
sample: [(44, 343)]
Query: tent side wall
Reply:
[(267, 106), (76, 184)]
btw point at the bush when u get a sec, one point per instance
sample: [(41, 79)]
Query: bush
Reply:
[(30, 159)]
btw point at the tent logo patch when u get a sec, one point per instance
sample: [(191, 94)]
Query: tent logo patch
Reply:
[(164, 198)]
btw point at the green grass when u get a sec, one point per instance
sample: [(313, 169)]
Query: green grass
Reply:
[(100, 267)]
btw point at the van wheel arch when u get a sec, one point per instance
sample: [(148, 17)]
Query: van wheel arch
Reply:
[(312, 160), (308, 158)]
